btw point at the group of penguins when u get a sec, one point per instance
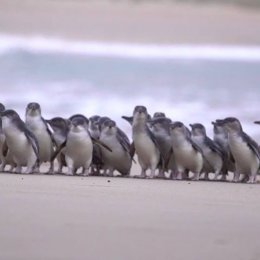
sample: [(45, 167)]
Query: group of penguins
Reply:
[(97, 146)]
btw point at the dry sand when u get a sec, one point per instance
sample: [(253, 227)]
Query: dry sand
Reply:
[(59, 217), (121, 22)]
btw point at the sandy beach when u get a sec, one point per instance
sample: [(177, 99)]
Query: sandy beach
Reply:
[(167, 23), (59, 217)]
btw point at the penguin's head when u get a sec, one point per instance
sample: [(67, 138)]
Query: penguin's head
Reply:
[(2, 108), (178, 128), (58, 124), (9, 117), (218, 127), (101, 122), (33, 109), (78, 123), (198, 129), (93, 122), (109, 127), (158, 115), (160, 123), (232, 125), (140, 114)]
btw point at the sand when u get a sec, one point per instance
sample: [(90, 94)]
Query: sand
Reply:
[(60, 217), (167, 23)]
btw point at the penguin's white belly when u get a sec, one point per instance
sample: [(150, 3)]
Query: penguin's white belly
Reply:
[(37, 126), (59, 138), (19, 146), (187, 158), (45, 145), (79, 149), (118, 158), (146, 150), (245, 160), (214, 160)]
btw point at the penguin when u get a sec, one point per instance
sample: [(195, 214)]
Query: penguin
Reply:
[(120, 158), (38, 125), (220, 137), (145, 144), (94, 126), (2, 140), (188, 155), (22, 144), (244, 149), (213, 155), (160, 126), (158, 115), (78, 147), (60, 128)]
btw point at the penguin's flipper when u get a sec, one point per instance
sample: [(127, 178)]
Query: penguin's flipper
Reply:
[(171, 152), (252, 145), (98, 142), (32, 139), (62, 146), (5, 148), (50, 132), (132, 149), (125, 145), (198, 149), (215, 148), (153, 138)]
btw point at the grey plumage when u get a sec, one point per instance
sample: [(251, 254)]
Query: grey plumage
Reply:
[(2, 139), (78, 146), (37, 124), (145, 143), (212, 153), (188, 155), (60, 127), (119, 158), (244, 150), (220, 137), (160, 126), (22, 144)]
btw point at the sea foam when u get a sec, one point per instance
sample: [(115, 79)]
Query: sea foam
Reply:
[(129, 50)]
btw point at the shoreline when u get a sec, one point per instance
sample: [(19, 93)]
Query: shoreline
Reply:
[(173, 23)]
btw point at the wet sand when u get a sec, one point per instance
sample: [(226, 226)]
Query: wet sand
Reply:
[(167, 23), (60, 217)]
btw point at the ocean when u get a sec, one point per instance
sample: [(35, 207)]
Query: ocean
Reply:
[(189, 83)]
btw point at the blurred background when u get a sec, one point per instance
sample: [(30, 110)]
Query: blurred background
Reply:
[(194, 60)]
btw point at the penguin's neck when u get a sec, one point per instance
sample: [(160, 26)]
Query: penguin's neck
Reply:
[(140, 126)]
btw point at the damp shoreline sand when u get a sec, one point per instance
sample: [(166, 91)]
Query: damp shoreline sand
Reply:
[(166, 23)]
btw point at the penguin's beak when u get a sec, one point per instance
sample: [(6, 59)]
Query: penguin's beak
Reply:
[(257, 122)]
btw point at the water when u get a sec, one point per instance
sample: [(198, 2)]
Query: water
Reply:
[(189, 83)]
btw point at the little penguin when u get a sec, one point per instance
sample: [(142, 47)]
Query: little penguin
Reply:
[(188, 155), (244, 149), (120, 158), (38, 125), (213, 155), (22, 144)]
